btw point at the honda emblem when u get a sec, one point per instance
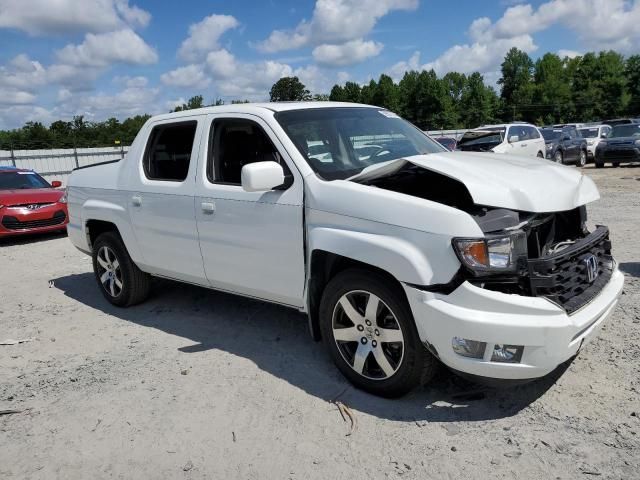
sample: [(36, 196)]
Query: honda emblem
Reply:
[(591, 265)]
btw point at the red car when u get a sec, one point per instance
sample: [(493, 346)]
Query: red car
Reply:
[(30, 204)]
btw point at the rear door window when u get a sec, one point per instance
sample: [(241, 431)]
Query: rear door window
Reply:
[(168, 153)]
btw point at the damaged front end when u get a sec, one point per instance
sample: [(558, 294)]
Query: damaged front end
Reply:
[(536, 254), (550, 255)]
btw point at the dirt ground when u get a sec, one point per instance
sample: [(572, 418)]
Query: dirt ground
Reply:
[(200, 384)]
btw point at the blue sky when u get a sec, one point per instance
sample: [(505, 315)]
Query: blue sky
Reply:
[(103, 58)]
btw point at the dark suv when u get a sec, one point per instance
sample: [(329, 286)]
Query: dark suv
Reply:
[(565, 145), (622, 145)]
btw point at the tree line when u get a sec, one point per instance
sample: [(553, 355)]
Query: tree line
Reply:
[(590, 87)]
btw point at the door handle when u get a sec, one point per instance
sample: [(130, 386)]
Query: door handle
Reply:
[(523, 144), (136, 201), (208, 208)]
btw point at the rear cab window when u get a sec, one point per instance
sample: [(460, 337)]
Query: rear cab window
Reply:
[(169, 149)]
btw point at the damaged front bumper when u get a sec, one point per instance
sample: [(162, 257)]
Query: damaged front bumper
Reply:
[(549, 336)]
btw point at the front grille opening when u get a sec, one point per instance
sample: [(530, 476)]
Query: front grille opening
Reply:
[(12, 223)]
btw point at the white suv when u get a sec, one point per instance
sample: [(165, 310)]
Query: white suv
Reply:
[(521, 139), (594, 134)]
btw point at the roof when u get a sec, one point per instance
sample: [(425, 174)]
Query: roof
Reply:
[(253, 107), (501, 125)]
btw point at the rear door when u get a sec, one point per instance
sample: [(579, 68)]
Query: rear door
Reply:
[(252, 242), (520, 147), (161, 201)]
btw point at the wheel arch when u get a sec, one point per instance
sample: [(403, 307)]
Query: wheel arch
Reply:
[(323, 267)]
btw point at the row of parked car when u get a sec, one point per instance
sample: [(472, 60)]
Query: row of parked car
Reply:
[(612, 141)]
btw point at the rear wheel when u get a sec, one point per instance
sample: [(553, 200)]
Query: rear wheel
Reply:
[(540, 155), (120, 280), (368, 328), (582, 161), (558, 157)]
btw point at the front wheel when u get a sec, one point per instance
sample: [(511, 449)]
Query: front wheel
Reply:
[(120, 280), (557, 157), (540, 155), (368, 329), (582, 161)]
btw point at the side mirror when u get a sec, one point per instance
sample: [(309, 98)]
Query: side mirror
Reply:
[(261, 176), (56, 184), (604, 135), (565, 138), (514, 139)]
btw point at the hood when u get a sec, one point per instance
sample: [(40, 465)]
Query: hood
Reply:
[(33, 195), (504, 181)]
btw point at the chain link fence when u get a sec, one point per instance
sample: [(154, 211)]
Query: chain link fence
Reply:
[(57, 163)]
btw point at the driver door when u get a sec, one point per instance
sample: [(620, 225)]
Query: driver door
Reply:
[(252, 243)]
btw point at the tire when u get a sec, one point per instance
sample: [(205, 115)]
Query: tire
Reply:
[(599, 165), (558, 157), (388, 368), (540, 155), (582, 161), (120, 280)]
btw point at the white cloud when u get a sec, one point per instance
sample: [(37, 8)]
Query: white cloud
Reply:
[(349, 53), (204, 35), (221, 63), (104, 49), (172, 104), (599, 24), (15, 97), (334, 22), (397, 70), (17, 115), (190, 76), (26, 74), (125, 103), (45, 17)]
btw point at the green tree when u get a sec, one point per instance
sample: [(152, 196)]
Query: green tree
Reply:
[(516, 81), (289, 89), (552, 91), (386, 94), (193, 103), (337, 94), (352, 92), (479, 102), (632, 74)]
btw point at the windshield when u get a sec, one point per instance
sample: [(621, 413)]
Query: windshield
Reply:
[(21, 181), (589, 132), (475, 137), (625, 131), (550, 135), (341, 142)]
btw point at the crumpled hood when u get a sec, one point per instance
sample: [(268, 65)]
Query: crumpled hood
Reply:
[(505, 181)]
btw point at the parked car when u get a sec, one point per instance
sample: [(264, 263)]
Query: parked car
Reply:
[(565, 145), (447, 142), (30, 204), (400, 258), (621, 121), (593, 134), (520, 139), (622, 145)]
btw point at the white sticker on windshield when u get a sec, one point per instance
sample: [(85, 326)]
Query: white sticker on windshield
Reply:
[(388, 114), (25, 173)]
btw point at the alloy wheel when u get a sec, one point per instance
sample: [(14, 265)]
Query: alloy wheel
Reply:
[(583, 159), (558, 157), (368, 335), (109, 271)]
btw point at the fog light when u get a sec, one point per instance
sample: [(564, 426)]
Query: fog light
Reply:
[(507, 353), (468, 348)]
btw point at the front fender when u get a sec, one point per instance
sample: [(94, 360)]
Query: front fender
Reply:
[(399, 257)]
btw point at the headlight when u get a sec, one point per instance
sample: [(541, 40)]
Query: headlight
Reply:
[(492, 254), (589, 142), (63, 198), (549, 146), (638, 142)]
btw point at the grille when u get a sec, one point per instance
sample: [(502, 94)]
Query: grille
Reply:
[(32, 205), (563, 277), (12, 223), (622, 153)]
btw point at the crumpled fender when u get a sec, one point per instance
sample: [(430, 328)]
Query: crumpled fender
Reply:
[(400, 258)]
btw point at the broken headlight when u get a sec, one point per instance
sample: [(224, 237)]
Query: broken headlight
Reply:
[(493, 253)]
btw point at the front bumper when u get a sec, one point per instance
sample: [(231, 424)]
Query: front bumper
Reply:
[(23, 221), (626, 154), (548, 334)]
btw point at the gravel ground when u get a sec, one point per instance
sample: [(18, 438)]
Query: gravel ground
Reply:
[(200, 384)]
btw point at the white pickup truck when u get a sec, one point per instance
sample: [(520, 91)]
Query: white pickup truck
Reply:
[(402, 254)]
